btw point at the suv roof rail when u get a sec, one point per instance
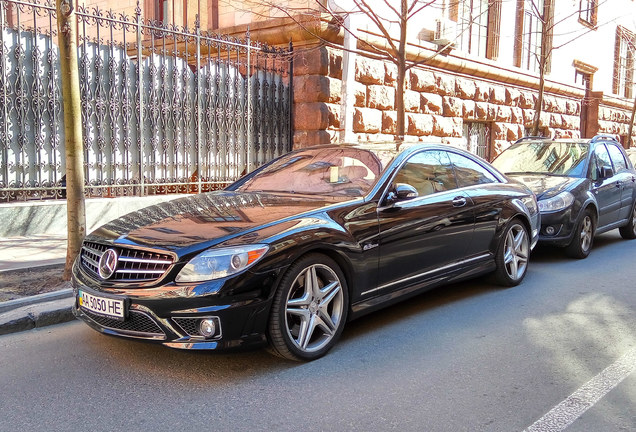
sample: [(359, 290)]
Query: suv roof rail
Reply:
[(603, 137), (529, 138)]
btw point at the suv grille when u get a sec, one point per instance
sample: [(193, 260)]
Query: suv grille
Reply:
[(132, 265)]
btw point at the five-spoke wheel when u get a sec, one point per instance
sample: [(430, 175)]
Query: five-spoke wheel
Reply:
[(309, 310), (512, 254)]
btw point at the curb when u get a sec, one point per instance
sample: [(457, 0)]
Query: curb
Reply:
[(36, 311), (9, 305)]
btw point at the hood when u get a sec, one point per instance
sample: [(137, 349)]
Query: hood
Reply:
[(198, 221), (546, 186)]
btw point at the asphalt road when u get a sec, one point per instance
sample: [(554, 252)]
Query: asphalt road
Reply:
[(555, 353)]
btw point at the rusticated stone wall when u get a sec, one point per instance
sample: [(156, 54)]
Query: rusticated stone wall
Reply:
[(613, 120), (437, 104)]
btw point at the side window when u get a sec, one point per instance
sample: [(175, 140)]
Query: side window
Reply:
[(617, 158), (599, 159), (469, 172), (428, 172)]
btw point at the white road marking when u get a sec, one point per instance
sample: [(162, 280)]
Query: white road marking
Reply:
[(565, 413)]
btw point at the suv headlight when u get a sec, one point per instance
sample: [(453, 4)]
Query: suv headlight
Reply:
[(219, 263), (556, 203)]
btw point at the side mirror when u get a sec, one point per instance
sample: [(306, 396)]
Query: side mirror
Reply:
[(404, 191), (605, 172)]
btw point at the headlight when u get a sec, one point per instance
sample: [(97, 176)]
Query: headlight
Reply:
[(218, 263), (531, 204), (557, 202)]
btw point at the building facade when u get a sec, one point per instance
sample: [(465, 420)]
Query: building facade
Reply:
[(479, 83)]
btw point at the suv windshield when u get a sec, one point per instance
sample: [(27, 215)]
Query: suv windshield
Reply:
[(544, 157), (327, 171)]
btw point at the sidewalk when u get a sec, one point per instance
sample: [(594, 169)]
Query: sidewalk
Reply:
[(18, 253)]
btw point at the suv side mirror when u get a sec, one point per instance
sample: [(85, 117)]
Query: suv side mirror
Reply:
[(605, 172)]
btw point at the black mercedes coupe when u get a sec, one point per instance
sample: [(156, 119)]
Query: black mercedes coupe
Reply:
[(289, 253)]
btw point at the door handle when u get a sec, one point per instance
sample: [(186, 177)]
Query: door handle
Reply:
[(459, 201), (618, 184)]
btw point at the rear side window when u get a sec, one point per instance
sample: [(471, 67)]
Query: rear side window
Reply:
[(469, 172), (617, 158), (428, 172)]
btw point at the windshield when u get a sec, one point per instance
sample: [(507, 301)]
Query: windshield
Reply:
[(552, 158), (327, 171)]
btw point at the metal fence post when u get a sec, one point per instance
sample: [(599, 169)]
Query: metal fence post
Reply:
[(140, 89), (198, 96), (5, 113), (248, 126)]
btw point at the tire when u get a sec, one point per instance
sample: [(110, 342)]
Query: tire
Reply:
[(581, 243), (309, 310), (512, 255), (628, 232)]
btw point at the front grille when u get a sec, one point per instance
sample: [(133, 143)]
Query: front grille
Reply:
[(133, 265), (137, 324)]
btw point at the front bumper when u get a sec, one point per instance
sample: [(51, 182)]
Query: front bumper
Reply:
[(562, 223), (171, 314)]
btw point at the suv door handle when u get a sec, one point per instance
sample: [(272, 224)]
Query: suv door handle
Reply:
[(459, 201)]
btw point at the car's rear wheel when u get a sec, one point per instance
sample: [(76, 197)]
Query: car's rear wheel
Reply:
[(581, 243), (309, 309), (512, 254), (629, 231)]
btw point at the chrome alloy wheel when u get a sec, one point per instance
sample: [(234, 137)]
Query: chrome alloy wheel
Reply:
[(314, 308), (586, 234), (516, 251)]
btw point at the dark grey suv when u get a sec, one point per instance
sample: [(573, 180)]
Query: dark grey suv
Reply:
[(583, 187)]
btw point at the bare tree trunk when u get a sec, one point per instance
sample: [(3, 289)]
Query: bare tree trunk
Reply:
[(539, 106), (76, 212), (401, 75), (547, 24)]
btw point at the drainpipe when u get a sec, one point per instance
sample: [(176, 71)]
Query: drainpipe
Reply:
[(347, 100)]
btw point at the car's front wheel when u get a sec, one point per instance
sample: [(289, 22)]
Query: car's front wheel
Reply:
[(581, 243), (309, 309), (512, 254), (629, 230)]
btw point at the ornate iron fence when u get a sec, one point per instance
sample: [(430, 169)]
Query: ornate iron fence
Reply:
[(164, 109)]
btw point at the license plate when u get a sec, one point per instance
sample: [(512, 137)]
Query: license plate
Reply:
[(112, 308)]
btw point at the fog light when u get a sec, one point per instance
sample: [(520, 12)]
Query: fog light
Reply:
[(207, 327), (550, 230)]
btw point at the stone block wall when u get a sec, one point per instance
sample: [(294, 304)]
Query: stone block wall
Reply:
[(613, 120), (436, 103)]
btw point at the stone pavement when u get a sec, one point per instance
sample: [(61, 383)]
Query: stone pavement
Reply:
[(17, 253)]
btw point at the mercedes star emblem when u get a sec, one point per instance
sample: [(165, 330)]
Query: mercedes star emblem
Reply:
[(108, 263)]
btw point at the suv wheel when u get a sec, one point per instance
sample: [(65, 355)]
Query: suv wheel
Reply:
[(583, 239)]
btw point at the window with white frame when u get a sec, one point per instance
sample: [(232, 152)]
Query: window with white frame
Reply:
[(531, 16), (623, 82)]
